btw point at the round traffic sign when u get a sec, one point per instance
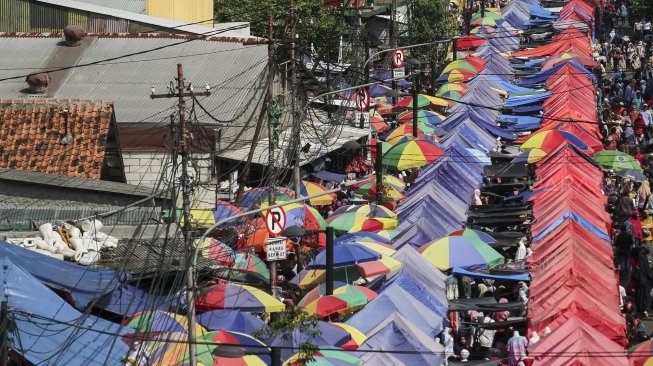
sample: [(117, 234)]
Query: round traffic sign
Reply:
[(275, 220), (362, 99), (398, 58)]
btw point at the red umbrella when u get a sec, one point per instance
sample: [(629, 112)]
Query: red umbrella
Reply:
[(468, 42)]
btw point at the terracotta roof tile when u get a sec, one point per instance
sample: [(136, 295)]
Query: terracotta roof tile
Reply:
[(31, 132)]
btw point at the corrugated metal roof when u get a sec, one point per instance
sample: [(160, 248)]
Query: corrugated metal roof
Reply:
[(140, 18), (21, 218), (132, 6), (74, 183), (235, 71)]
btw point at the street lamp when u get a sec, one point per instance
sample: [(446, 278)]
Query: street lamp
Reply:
[(378, 162), (298, 232), (415, 66)]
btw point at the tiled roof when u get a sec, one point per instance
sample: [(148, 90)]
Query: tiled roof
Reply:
[(31, 133)]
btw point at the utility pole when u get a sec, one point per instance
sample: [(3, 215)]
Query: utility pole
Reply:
[(393, 40), (185, 181), (4, 324), (296, 123)]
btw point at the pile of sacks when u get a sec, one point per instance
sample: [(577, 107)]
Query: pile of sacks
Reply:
[(79, 242)]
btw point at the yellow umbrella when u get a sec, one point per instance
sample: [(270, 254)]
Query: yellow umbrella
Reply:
[(383, 249), (439, 102), (358, 336)]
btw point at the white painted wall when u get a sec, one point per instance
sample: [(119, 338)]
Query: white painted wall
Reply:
[(146, 168)]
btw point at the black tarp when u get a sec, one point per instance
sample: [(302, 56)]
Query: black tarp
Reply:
[(508, 170), (484, 304), (506, 238)]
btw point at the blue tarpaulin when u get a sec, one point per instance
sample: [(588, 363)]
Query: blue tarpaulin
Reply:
[(84, 284), (48, 331), (128, 300), (522, 100), (328, 176), (542, 76), (419, 292)]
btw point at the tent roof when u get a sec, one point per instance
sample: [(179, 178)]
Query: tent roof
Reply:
[(576, 337), (50, 331)]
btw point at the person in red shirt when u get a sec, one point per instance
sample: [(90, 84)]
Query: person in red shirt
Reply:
[(637, 154), (638, 126)]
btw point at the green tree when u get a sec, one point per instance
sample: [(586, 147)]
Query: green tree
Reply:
[(322, 27), (431, 21), (642, 9), (286, 322)]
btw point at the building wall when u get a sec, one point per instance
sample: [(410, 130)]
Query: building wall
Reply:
[(185, 11), (146, 168)]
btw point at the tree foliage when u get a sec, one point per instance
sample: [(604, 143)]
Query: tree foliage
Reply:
[(642, 9), (322, 27), (286, 322), (431, 21)]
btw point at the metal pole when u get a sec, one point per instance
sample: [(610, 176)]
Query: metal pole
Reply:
[(482, 8), (4, 346), (454, 48), (297, 180), (393, 39), (271, 182), (329, 260), (275, 354), (379, 172), (415, 96), (185, 192)]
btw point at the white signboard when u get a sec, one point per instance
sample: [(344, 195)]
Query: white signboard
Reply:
[(366, 119), (398, 73), (276, 249), (275, 220)]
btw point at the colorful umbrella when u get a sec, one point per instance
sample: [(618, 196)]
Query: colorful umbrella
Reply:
[(617, 160), (452, 87), (359, 293), (549, 140), (422, 101), (457, 75), (255, 234), (487, 20), (157, 321), (474, 235), (371, 210), (420, 136), (218, 252), (482, 31), (310, 188), (254, 197), (412, 154), (632, 174), (389, 179), (531, 156), (467, 42), (209, 346), (251, 263), (225, 295), (378, 125), (326, 306), (389, 193), (427, 117), (383, 108), (641, 354), (325, 358), (344, 255), (388, 234), (457, 251), (407, 129), (384, 265), (472, 64), (319, 333), (353, 222), (357, 337), (224, 210), (383, 249), (486, 14), (364, 237), (453, 95), (232, 320)]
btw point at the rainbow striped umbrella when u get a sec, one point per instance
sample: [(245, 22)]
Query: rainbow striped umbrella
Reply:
[(307, 188), (407, 129), (389, 193), (412, 154), (218, 252), (457, 251), (452, 87), (383, 249), (225, 295), (422, 101), (482, 31), (551, 139), (370, 210), (326, 306), (251, 263), (351, 223), (326, 358), (424, 116), (374, 268), (208, 351), (157, 321), (388, 234), (420, 136), (359, 294), (531, 156), (457, 75), (357, 336), (472, 234), (472, 64), (224, 210), (487, 20), (488, 14)]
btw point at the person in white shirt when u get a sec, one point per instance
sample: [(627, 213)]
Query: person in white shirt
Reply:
[(646, 27), (647, 116)]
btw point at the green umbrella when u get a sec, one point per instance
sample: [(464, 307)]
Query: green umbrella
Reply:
[(617, 160), (488, 14)]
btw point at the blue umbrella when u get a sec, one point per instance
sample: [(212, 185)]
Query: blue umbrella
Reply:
[(345, 255), (631, 173), (363, 235), (231, 320)]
